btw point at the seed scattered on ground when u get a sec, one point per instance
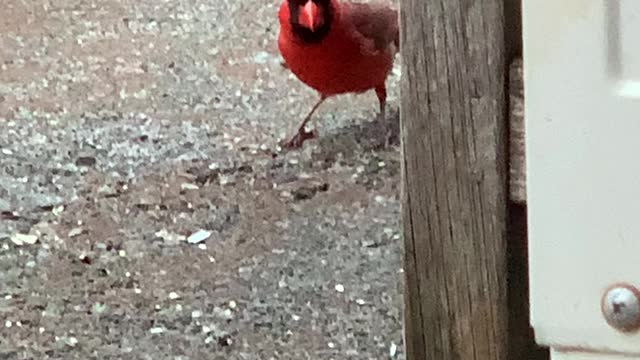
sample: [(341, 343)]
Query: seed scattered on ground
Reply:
[(198, 236), (156, 330)]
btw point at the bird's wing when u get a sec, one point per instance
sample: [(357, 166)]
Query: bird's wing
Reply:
[(374, 25)]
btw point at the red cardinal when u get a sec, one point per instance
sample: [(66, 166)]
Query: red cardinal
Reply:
[(336, 48)]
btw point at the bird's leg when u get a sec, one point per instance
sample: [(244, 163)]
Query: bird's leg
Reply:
[(381, 92), (302, 135)]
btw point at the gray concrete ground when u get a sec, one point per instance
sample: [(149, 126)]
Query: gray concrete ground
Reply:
[(126, 126)]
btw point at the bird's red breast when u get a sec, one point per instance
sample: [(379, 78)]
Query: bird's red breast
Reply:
[(350, 49)]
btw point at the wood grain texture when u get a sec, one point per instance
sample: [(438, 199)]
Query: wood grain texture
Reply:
[(453, 116), (517, 159)]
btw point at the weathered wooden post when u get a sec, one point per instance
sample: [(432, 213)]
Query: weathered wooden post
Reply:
[(454, 179)]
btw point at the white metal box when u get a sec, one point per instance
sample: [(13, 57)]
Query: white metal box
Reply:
[(582, 115)]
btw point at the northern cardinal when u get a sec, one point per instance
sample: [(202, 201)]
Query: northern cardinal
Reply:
[(336, 48)]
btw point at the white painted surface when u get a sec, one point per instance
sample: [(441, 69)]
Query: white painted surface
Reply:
[(557, 355), (582, 111)]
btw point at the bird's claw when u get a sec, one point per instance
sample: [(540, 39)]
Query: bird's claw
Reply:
[(299, 138)]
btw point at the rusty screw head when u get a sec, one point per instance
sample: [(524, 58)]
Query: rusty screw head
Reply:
[(621, 307)]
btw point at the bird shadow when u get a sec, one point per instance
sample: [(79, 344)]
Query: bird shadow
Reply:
[(370, 136)]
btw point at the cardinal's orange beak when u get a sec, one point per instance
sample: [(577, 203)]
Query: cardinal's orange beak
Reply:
[(310, 16)]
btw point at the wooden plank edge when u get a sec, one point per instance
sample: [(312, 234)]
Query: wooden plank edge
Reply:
[(517, 158)]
